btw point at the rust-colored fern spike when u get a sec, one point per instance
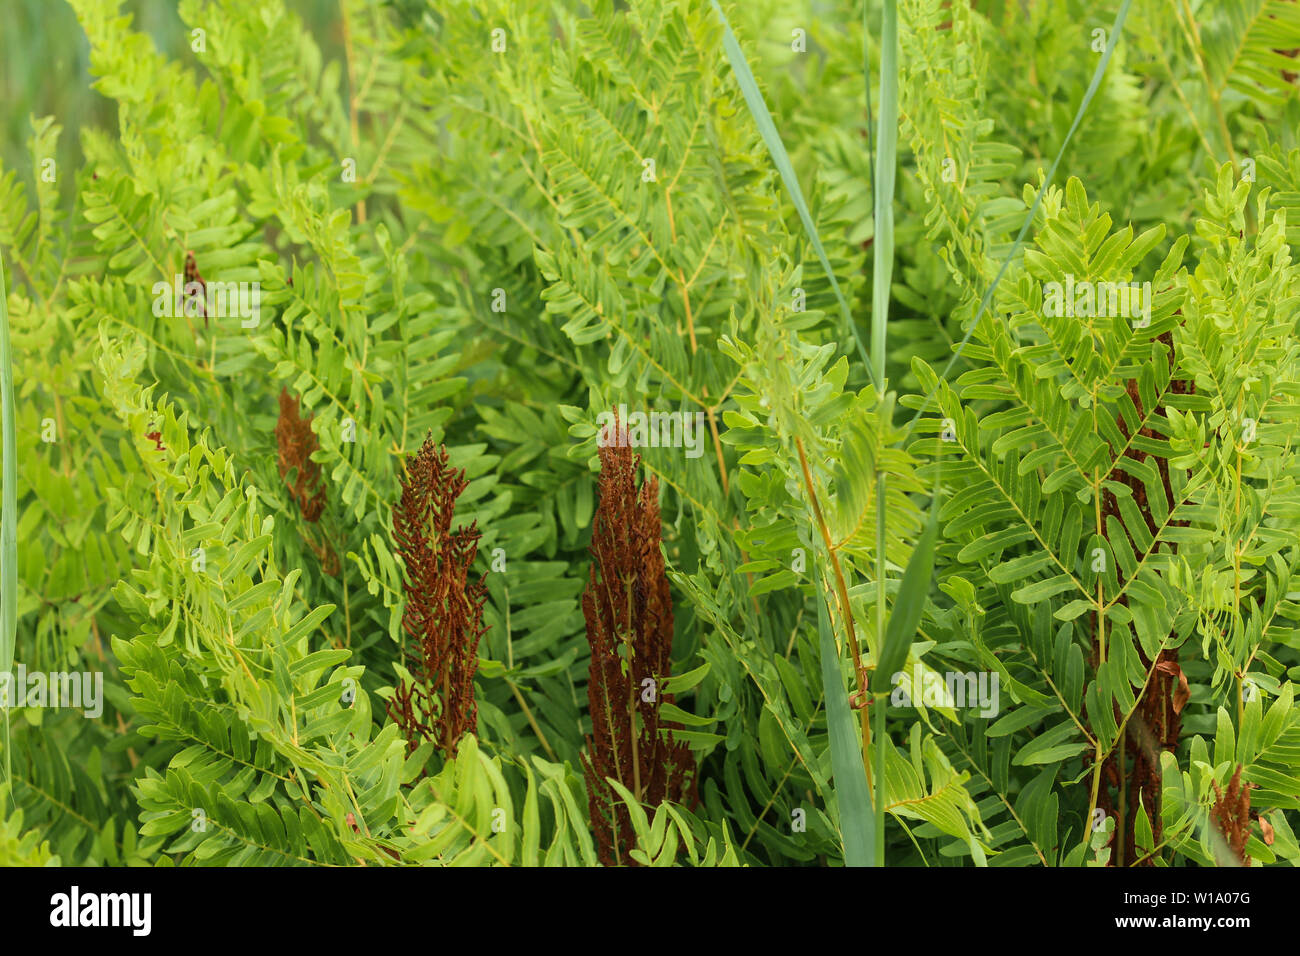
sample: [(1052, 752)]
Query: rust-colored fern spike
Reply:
[(295, 442), (444, 612), (1232, 815), (629, 614)]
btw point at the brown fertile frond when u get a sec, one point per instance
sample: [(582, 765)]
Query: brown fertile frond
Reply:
[(444, 612), (628, 608), (1232, 815), (1134, 772), (295, 442)]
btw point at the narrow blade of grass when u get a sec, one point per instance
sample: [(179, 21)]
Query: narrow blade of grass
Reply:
[(879, 742), (881, 279), (781, 159), (866, 79), (908, 605), (857, 825), (885, 168)]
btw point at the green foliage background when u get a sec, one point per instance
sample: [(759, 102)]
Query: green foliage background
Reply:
[(244, 717)]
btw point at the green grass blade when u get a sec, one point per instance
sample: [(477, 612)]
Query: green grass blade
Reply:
[(781, 159), (8, 507), (885, 171), (886, 167), (908, 605), (878, 742), (857, 825), (1115, 31), (866, 79)]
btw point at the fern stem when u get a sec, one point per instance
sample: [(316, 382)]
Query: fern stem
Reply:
[(347, 609), (681, 273), (631, 694), (685, 286), (717, 446), (1101, 593), (1182, 98), (1123, 801), (346, 29), (842, 596), (1098, 760), (1193, 36)]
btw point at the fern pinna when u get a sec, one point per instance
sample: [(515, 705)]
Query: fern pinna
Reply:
[(629, 612), (444, 610)]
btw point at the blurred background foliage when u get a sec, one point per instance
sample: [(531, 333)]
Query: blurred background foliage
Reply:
[(45, 69)]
